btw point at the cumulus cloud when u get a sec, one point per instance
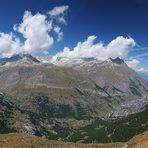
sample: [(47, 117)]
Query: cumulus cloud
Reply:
[(37, 31), (61, 20), (9, 44), (142, 70), (58, 13), (57, 29), (58, 10), (134, 64), (119, 47)]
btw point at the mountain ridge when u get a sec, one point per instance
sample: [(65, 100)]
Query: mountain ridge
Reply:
[(86, 77), (72, 103), (25, 58)]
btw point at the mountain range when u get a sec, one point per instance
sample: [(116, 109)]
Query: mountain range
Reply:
[(64, 98)]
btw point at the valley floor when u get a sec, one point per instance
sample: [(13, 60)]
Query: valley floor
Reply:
[(23, 140)]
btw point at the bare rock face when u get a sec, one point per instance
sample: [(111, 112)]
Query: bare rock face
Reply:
[(19, 58), (117, 79), (45, 99), (112, 76), (80, 85)]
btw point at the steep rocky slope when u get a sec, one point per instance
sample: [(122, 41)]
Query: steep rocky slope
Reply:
[(64, 90), (113, 77), (71, 100), (69, 88)]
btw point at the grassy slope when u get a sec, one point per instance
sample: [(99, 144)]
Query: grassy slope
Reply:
[(112, 131), (96, 130), (20, 140), (34, 105), (72, 89)]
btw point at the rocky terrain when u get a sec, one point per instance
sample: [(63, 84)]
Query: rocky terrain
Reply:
[(130, 107), (85, 86), (71, 99)]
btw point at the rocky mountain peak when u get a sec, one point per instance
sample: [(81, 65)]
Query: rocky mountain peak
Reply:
[(19, 58), (117, 60)]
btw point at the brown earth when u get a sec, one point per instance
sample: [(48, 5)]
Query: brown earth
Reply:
[(23, 140)]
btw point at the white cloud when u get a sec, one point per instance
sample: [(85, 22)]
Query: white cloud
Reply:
[(119, 47), (9, 44), (58, 13), (57, 29), (35, 29), (142, 70), (58, 10), (61, 20), (134, 64)]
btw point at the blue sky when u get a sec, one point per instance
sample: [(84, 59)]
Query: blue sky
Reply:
[(106, 19)]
